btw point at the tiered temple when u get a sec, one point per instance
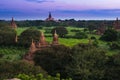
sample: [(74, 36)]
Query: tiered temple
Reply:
[(13, 24), (101, 29), (40, 45), (117, 24), (50, 18)]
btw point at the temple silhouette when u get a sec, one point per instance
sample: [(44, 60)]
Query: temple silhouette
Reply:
[(42, 44), (13, 24), (116, 24), (50, 18)]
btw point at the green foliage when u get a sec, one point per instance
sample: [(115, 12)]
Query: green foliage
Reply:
[(75, 30), (12, 53), (81, 35), (53, 59), (95, 42), (113, 68), (93, 37), (88, 63), (109, 35), (10, 69), (61, 31), (7, 36), (26, 36), (40, 77), (114, 45)]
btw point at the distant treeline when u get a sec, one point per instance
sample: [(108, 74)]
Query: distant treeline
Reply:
[(64, 23)]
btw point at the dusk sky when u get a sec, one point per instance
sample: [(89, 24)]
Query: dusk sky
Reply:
[(60, 9)]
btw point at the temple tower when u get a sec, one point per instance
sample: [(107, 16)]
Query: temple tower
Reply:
[(42, 39), (13, 24), (117, 24), (32, 48), (50, 18), (55, 38)]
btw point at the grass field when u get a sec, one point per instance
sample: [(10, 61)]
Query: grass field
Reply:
[(68, 42), (12, 53), (20, 30)]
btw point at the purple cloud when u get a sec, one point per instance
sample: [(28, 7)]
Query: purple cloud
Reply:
[(40, 1)]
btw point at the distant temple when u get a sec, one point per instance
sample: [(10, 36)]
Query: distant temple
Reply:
[(101, 29), (13, 24), (50, 18), (116, 24), (40, 45)]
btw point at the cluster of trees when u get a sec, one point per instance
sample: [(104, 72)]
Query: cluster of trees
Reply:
[(65, 23), (11, 69), (26, 36), (7, 35), (82, 62), (110, 35)]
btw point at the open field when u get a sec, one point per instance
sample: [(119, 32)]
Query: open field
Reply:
[(13, 53)]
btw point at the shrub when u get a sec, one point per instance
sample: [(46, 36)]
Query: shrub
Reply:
[(61, 31), (7, 36), (109, 35), (10, 69), (93, 37), (26, 36), (53, 59), (81, 35), (40, 77)]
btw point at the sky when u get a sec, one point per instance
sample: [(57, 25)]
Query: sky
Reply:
[(60, 9)]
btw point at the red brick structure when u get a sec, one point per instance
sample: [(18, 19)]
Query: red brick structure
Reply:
[(50, 18), (40, 45), (101, 29), (13, 24), (116, 24)]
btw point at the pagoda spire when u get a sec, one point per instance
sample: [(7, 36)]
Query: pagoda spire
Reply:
[(117, 24), (55, 38), (50, 16), (32, 47), (13, 24), (42, 39)]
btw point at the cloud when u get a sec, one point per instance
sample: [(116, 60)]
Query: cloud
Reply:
[(92, 11), (9, 11), (40, 1)]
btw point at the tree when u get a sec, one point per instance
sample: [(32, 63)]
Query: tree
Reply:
[(7, 36), (91, 26), (87, 63), (53, 59), (11, 69), (113, 68), (61, 31), (81, 35), (27, 36), (109, 35)]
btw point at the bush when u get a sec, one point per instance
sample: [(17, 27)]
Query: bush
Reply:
[(114, 45), (74, 30), (10, 69), (7, 36), (109, 35), (26, 36), (93, 37), (40, 77), (113, 68), (53, 59), (61, 31), (87, 63), (81, 35)]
